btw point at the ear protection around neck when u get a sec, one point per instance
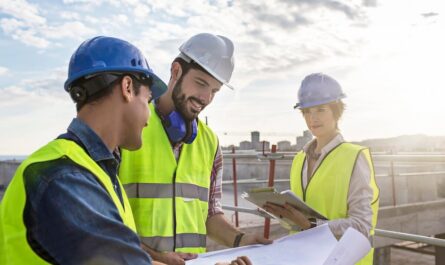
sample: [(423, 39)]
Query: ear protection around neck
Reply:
[(178, 129)]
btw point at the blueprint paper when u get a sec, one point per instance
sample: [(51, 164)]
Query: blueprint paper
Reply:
[(350, 249), (312, 246)]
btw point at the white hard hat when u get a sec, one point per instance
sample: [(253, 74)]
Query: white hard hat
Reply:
[(214, 53)]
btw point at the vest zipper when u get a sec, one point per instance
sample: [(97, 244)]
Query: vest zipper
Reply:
[(301, 180)]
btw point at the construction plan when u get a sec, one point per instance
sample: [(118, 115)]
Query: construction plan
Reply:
[(316, 246)]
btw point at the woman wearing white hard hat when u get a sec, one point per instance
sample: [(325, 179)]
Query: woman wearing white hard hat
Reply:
[(334, 177)]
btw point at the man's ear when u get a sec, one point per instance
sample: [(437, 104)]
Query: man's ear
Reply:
[(127, 88), (175, 72)]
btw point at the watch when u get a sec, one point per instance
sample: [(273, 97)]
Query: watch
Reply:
[(237, 240)]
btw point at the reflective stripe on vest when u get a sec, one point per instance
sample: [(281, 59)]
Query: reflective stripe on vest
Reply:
[(182, 241), (13, 243), (169, 199), (331, 179), (162, 190)]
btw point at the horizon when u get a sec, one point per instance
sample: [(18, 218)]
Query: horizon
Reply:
[(386, 55), (3, 155)]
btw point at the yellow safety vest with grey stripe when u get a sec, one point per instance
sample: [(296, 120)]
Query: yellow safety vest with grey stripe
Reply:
[(14, 247), (169, 198), (327, 190)]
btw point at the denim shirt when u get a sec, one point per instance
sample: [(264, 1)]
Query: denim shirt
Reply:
[(70, 217)]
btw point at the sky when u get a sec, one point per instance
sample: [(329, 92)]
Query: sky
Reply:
[(387, 55)]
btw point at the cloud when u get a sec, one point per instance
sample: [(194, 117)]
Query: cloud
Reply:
[(70, 15), (76, 1), (48, 88), (278, 14), (28, 26), (370, 3), (271, 37), (351, 11), (73, 30), (22, 10), (430, 14), (121, 18), (3, 70)]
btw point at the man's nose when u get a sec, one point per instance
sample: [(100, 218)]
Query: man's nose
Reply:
[(205, 97)]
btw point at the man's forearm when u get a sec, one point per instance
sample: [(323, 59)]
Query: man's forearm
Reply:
[(220, 230), (153, 254)]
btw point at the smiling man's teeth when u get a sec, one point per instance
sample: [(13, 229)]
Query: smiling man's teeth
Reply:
[(196, 105)]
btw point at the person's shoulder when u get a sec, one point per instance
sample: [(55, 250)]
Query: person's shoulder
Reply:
[(48, 171), (353, 146), (204, 129), (204, 125)]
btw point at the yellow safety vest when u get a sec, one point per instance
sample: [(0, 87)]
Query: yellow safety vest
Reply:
[(14, 247), (327, 190), (169, 199)]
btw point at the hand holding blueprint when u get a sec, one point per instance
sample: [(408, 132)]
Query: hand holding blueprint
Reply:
[(316, 246)]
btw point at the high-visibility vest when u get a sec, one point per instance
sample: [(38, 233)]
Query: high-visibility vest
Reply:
[(169, 198), (327, 190), (14, 247)]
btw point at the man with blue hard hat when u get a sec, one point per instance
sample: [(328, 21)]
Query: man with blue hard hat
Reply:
[(174, 180), (65, 204)]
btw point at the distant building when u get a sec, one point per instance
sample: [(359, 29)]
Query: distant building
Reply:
[(303, 140), (255, 137), (257, 146), (284, 146), (245, 145), (394, 145)]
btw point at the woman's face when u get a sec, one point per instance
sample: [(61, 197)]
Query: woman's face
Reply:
[(320, 120)]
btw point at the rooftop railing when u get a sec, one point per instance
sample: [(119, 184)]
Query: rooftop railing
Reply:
[(273, 156)]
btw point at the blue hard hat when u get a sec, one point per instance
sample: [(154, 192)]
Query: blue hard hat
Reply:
[(318, 89), (108, 54)]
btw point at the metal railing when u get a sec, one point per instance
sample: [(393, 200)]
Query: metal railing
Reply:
[(274, 156), (376, 156), (378, 232)]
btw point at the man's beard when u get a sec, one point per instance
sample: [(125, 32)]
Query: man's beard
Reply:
[(180, 102)]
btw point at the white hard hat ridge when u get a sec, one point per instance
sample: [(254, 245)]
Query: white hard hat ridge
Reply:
[(214, 53)]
